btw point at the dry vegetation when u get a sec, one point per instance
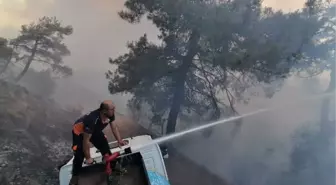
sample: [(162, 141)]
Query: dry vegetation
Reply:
[(33, 136)]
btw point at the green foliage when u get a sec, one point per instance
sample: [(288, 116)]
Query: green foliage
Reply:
[(319, 56), (42, 41), (210, 50)]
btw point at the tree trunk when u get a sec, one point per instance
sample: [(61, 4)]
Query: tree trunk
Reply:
[(180, 81), (214, 116), (5, 66), (325, 109), (9, 59), (30, 60)]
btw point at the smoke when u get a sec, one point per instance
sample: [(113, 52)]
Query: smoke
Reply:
[(261, 154), (263, 150)]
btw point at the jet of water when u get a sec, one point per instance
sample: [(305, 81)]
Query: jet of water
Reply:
[(195, 129), (226, 120)]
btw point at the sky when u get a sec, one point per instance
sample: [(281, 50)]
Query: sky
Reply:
[(99, 33)]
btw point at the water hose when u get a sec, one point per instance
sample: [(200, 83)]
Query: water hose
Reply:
[(108, 159)]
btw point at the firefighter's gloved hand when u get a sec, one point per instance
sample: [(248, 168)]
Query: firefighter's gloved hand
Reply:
[(90, 161)]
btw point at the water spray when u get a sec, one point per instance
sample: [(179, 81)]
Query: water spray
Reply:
[(226, 120)]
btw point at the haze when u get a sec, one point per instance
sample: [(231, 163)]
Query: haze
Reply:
[(99, 33)]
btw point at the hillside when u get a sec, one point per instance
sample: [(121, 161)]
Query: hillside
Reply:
[(33, 136)]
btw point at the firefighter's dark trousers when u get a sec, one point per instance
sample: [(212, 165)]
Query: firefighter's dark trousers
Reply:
[(98, 140)]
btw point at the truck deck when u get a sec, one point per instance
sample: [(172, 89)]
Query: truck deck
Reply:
[(127, 169), (134, 166)]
